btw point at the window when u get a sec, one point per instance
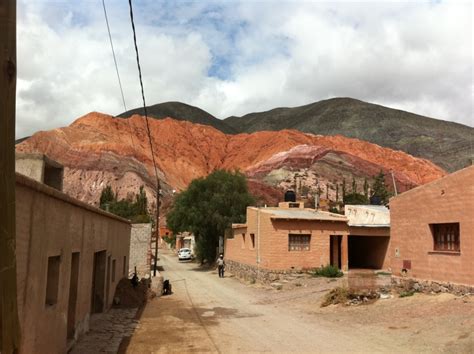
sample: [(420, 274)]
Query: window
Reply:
[(243, 241), (113, 271), (299, 242), (446, 237), (52, 280), (252, 238)]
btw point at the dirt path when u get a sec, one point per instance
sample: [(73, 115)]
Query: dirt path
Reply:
[(207, 313)]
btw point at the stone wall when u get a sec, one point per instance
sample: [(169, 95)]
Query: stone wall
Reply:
[(140, 249), (429, 286), (252, 273)]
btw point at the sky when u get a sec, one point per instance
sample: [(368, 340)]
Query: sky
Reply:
[(236, 57)]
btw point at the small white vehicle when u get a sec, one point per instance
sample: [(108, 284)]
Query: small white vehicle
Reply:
[(184, 254)]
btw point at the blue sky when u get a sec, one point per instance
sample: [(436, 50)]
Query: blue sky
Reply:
[(236, 57)]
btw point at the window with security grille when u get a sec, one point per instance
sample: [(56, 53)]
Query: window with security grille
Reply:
[(446, 237), (299, 242)]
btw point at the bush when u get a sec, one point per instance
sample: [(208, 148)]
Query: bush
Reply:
[(336, 296), (407, 293), (328, 271)]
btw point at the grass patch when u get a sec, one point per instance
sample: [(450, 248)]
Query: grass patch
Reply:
[(327, 271), (407, 293)]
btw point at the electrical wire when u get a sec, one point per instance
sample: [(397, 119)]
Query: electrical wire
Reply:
[(145, 111), (113, 54), (118, 74)]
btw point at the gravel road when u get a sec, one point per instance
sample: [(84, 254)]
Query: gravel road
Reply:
[(209, 314)]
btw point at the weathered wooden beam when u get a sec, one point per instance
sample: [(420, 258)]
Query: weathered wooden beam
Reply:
[(9, 325)]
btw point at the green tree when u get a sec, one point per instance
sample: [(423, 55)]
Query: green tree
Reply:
[(354, 185), (379, 189), (355, 199), (208, 207), (343, 188), (136, 212), (107, 197)]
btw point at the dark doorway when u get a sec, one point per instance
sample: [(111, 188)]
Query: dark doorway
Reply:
[(367, 251), (107, 284), (73, 284), (335, 250), (98, 282)]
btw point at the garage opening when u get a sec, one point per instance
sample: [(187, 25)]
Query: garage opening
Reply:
[(367, 251)]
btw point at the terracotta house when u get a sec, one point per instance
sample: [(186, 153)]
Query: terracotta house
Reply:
[(291, 237), (432, 232)]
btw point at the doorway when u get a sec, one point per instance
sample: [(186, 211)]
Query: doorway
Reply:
[(367, 252), (335, 251), (98, 282), (73, 286)]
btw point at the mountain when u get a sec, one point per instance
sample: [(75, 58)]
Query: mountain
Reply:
[(98, 149), (445, 143), (181, 111)]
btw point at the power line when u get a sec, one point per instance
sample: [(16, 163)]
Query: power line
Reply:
[(118, 75), (149, 138), (113, 54)]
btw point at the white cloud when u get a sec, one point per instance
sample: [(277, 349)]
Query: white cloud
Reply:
[(240, 57)]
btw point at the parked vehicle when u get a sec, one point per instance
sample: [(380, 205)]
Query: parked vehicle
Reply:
[(184, 254)]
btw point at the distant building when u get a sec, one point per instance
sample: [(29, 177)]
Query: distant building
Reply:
[(291, 237), (40, 168), (432, 234), (70, 258)]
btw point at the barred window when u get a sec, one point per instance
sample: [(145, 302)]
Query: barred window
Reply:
[(298, 242), (446, 237)]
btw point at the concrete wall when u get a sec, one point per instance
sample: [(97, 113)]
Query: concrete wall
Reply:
[(40, 168), (50, 223), (140, 249), (448, 200)]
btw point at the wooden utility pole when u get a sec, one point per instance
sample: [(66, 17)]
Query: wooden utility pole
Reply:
[(157, 234), (9, 325)]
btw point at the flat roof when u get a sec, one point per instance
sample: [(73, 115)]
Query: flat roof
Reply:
[(303, 214), (239, 226)]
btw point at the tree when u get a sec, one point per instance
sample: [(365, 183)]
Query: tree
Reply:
[(136, 212), (354, 185), (355, 199), (343, 188), (107, 197), (208, 207), (380, 193), (366, 188)]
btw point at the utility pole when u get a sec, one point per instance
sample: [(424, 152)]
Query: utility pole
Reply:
[(9, 324), (158, 187)]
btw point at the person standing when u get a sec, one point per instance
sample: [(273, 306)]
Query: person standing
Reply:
[(221, 266)]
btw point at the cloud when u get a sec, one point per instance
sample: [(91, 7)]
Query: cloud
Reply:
[(234, 58)]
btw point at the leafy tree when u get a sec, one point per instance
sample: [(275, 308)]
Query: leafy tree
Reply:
[(355, 199), (379, 189), (208, 207), (136, 212), (107, 197)]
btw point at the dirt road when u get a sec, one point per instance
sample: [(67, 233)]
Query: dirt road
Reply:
[(209, 314)]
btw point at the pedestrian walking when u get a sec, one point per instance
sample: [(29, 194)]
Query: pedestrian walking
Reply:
[(221, 266)]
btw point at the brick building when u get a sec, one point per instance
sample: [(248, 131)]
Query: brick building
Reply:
[(291, 237), (70, 258), (432, 233)]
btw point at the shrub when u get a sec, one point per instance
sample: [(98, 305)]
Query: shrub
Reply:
[(407, 293), (328, 271), (336, 296)]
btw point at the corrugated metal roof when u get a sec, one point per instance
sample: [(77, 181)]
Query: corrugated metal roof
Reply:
[(303, 214)]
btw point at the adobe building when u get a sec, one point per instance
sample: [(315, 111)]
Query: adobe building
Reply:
[(70, 258), (40, 168), (291, 238), (432, 233)]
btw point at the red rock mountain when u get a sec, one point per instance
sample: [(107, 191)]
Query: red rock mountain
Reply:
[(98, 149)]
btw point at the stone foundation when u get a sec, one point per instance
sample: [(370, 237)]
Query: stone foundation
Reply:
[(252, 273), (429, 286)]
